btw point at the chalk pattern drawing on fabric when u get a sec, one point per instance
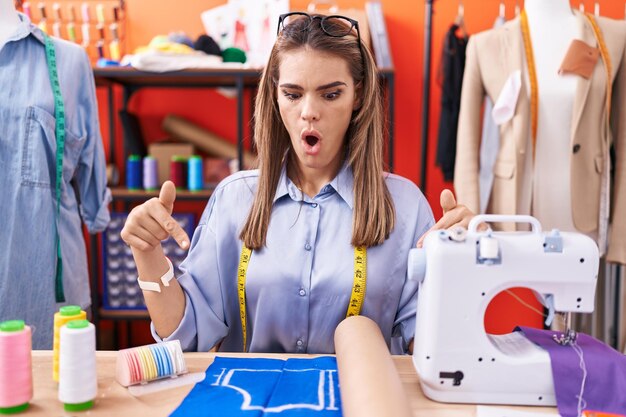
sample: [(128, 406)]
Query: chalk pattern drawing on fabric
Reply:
[(256, 387)]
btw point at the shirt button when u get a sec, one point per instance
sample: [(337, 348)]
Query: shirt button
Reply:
[(299, 342), (307, 247), (314, 205), (576, 148), (302, 292)]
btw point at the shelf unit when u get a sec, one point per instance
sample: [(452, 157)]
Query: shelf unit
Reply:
[(96, 26), (125, 194)]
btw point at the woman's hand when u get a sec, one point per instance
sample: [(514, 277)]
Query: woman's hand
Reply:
[(151, 222), (143, 231), (454, 215)]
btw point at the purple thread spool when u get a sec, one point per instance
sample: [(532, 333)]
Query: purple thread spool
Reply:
[(150, 173)]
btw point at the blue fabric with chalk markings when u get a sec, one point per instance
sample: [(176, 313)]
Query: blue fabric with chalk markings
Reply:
[(255, 387)]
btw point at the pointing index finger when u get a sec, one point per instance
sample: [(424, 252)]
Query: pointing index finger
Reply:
[(174, 229)]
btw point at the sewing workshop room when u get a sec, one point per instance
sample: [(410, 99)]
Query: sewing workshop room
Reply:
[(434, 192)]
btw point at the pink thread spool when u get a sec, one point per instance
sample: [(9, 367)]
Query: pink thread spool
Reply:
[(16, 375)]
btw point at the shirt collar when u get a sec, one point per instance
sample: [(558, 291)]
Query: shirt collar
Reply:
[(343, 184), (24, 29), (284, 184)]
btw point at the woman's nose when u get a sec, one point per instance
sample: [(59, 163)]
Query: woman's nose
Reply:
[(310, 111)]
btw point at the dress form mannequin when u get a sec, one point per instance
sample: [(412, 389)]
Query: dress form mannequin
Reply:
[(577, 119), (552, 26), (9, 20), (28, 148)]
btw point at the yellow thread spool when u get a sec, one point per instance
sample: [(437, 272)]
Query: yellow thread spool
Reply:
[(65, 314), (114, 50)]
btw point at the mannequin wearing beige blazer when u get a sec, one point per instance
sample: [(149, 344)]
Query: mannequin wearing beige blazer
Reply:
[(492, 57)]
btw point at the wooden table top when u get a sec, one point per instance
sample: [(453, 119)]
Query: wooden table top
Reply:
[(115, 400)]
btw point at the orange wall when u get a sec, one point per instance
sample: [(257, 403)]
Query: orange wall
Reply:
[(405, 24)]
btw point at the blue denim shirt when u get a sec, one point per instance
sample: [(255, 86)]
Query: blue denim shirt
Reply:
[(298, 286), (27, 182)]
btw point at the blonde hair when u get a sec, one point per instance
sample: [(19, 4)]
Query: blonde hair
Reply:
[(374, 215)]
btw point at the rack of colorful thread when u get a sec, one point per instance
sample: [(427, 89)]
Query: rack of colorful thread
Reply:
[(98, 26), (121, 291), (185, 172)]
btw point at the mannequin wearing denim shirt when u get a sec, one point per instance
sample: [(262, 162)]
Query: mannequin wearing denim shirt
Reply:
[(27, 158), (299, 285)]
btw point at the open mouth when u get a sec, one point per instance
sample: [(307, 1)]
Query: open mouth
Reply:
[(311, 140)]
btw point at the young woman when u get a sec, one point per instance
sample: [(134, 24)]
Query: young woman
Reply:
[(283, 253)]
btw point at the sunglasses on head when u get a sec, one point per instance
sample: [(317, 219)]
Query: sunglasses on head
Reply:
[(335, 25)]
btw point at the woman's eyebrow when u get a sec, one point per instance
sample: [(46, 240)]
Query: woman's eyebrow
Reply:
[(320, 88)]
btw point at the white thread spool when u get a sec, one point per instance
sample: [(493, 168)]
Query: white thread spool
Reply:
[(16, 376), (78, 383), (488, 247)]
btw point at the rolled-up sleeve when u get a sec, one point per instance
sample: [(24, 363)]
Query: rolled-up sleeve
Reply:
[(91, 170)]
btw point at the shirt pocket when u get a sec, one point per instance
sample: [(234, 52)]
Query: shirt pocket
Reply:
[(39, 150), (503, 169)]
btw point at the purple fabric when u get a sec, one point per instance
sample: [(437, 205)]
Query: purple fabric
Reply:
[(605, 386)]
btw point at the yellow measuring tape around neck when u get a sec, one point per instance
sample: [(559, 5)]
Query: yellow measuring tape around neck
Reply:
[(532, 72), (356, 298)]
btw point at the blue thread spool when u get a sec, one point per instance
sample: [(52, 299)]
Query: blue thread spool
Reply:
[(150, 173), (195, 173), (133, 172)]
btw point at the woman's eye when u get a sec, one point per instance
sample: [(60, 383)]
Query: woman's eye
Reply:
[(332, 95), (291, 96)]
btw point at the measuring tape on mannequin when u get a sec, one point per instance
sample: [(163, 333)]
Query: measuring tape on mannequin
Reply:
[(534, 115), (356, 298), (59, 115), (605, 191), (532, 72)]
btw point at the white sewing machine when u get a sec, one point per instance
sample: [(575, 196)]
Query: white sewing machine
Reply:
[(457, 361)]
